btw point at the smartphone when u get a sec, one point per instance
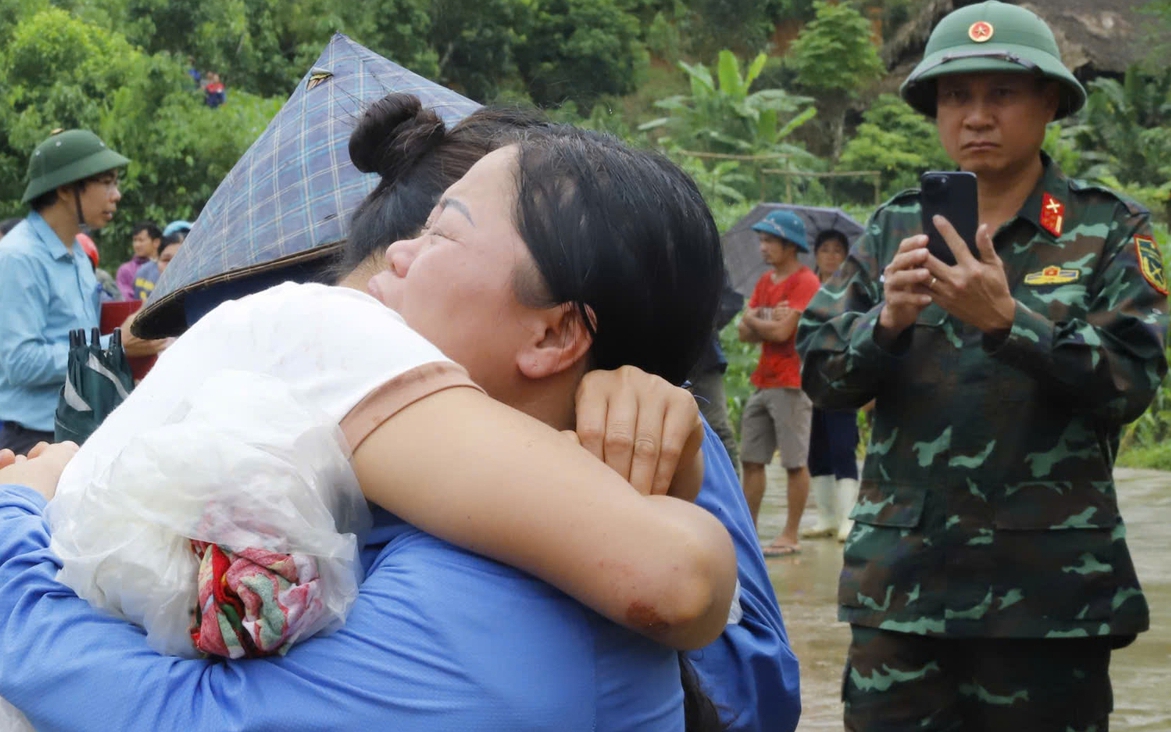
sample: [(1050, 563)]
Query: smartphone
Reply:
[(952, 195)]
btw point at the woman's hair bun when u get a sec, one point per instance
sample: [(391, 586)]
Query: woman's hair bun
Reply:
[(393, 134)]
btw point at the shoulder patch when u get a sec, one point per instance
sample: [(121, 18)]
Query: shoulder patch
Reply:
[(1150, 262)]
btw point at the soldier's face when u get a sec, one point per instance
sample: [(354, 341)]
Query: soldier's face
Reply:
[(993, 123)]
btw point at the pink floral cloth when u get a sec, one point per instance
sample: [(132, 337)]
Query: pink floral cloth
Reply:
[(253, 602)]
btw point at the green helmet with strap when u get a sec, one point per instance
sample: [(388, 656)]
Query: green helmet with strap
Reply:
[(991, 37), (68, 157)]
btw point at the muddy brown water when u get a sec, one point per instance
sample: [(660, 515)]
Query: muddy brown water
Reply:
[(806, 587)]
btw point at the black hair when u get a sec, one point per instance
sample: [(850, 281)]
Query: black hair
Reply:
[(625, 236), (49, 197), (152, 230), (831, 235), (8, 225), (417, 158), (175, 237), (699, 711), (43, 201)]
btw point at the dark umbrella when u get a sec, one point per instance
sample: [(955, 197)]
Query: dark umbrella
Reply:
[(288, 200), (742, 248), (96, 382)]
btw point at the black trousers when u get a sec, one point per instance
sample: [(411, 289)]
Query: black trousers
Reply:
[(20, 439)]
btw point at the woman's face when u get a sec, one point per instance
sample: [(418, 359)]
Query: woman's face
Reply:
[(453, 283), (830, 256)]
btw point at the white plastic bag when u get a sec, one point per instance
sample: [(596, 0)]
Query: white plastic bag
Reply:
[(11, 720), (239, 464)]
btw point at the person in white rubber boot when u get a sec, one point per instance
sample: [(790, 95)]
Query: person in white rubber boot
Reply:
[(833, 440)]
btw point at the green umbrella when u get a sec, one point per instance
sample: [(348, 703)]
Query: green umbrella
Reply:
[(96, 382)]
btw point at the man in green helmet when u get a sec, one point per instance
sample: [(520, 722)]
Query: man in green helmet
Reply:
[(987, 577), (47, 285)]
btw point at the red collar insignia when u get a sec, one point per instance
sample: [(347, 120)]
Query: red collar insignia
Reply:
[(1052, 215)]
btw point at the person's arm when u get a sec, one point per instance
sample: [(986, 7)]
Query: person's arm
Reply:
[(648, 430), (403, 661), (435, 451), (746, 329), (514, 489), (1111, 363), (135, 346), (779, 328), (783, 325), (26, 357)]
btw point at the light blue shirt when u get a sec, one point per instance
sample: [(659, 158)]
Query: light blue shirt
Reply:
[(439, 640), (46, 290)]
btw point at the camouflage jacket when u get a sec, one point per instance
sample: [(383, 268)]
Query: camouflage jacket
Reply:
[(987, 504)]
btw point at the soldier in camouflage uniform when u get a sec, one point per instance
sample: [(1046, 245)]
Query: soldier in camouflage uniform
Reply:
[(987, 577)]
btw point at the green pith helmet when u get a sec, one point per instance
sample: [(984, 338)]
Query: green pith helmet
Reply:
[(991, 37), (67, 157)]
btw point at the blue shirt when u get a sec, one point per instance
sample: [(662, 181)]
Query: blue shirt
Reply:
[(750, 672), (439, 639), (145, 279), (46, 290)]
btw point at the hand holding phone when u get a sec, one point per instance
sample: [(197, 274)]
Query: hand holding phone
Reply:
[(953, 196)]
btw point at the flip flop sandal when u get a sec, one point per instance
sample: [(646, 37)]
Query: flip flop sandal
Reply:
[(780, 551)]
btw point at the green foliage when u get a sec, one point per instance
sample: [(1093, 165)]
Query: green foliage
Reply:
[(834, 52), (743, 25), (895, 13), (1119, 138), (67, 73), (1121, 129), (742, 359), (834, 57), (896, 140), (663, 39), (580, 50), (476, 41), (721, 115)]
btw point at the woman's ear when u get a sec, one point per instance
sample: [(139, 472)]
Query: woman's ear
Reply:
[(560, 342)]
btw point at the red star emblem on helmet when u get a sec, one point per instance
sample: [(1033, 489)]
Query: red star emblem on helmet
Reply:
[(980, 31)]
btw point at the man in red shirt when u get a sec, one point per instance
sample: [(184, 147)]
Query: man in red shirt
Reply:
[(778, 414)]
